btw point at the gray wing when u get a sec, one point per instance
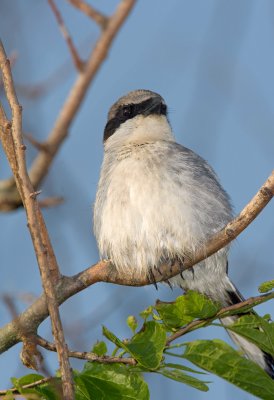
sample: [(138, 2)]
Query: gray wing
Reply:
[(192, 172)]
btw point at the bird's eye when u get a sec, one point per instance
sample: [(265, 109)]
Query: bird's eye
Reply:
[(163, 109), (128, 110)]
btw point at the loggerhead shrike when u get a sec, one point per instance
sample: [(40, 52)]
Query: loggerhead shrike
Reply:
[(157, 201)]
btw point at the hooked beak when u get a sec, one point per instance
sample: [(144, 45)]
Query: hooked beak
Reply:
[(153, 107)]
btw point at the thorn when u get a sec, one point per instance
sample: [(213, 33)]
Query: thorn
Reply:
[(23, 147), (33, 195)]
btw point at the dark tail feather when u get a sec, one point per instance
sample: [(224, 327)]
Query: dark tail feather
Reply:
[(264, 360)]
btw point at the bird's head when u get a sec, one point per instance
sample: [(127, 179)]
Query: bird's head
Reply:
[(139, 116)]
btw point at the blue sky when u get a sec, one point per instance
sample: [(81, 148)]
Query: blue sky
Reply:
[(213, 62)]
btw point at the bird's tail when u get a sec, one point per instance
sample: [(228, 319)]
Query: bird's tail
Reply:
[(254, 353)]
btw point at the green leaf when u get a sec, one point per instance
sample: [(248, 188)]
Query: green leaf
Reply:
[(30, 378), (186, 308), (114, 339), (219, 358), (110, 382), (256, 329), (180, 376), (45, 391), (266, 286), (183, 368), (147, 346), (132, 323), (100, 348), (48, 391), (171, 315), (15, 382), (198, 305)]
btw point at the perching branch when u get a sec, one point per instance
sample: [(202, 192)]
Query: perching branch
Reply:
[(11, 134), (104, 271), (9, 196)]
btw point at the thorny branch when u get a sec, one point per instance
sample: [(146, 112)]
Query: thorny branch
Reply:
[(26, 192), (104, 271), (9, 196), (48, 266)]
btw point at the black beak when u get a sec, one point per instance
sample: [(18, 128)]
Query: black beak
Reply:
[(153, 106)]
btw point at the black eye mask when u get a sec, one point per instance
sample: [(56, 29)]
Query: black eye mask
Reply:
[(129, 111)]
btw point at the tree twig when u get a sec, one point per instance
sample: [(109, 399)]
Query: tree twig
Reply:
[(35, 143), (69, 110), (28, 386), (223, 312), (8, 300), (79, 64), (104, 271), (198, 323), (43, 161), (50, 202), (239, 307), (84, 355), (45, 256), (91, 12)]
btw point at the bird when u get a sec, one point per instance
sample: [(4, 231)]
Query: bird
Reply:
[(158, 201)]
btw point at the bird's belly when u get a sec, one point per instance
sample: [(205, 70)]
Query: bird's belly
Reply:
[(144, 221)]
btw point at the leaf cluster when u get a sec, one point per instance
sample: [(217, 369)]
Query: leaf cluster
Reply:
[(151, 351)]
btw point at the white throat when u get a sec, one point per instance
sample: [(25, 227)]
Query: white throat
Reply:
[(141, 129)]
